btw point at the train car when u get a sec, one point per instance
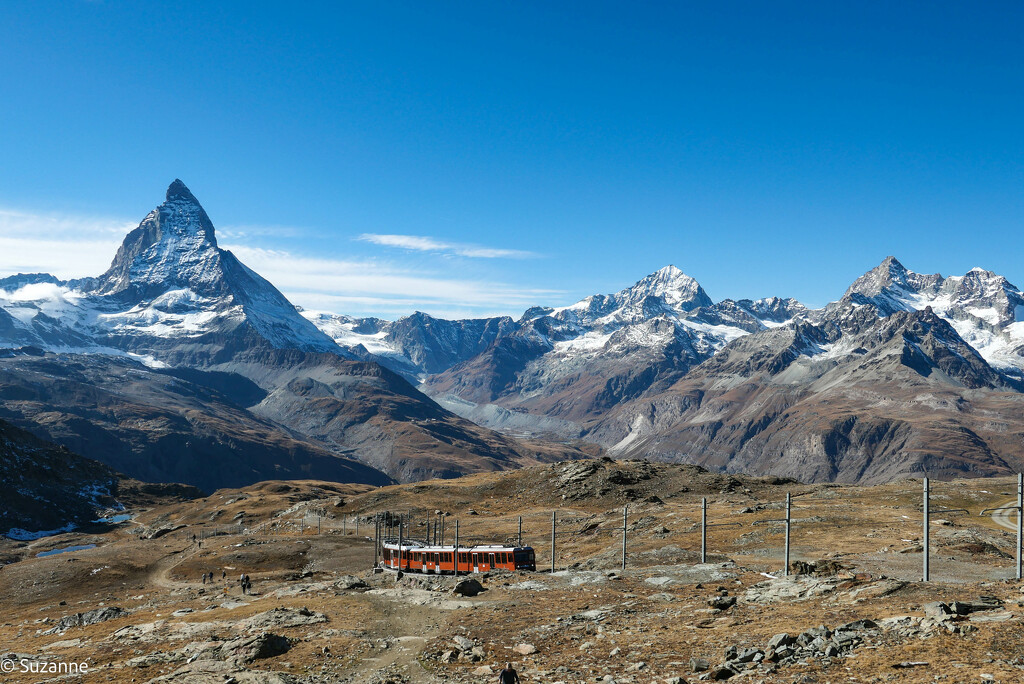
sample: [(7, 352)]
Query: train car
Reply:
[(415, 556)]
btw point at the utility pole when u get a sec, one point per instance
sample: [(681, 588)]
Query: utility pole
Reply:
[(456, 548), (401, 552), (925, 544), (789, 504), (704, 530), (624, 509), (1020, 521), (520, 542), (552, 542), (376, 539)]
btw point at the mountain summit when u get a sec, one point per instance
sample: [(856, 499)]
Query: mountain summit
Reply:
[(171, 279), (174, 245)]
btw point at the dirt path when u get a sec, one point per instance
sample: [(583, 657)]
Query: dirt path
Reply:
[(402, 625), (159, 575), (1006, 518)]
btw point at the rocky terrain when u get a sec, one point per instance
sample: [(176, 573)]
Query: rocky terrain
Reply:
[(179, 363), (135, 606)]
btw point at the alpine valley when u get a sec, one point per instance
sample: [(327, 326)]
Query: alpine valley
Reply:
[(179, 363)]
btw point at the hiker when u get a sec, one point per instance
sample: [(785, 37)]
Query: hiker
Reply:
[(204, 578), (508, 675), (223, 574)]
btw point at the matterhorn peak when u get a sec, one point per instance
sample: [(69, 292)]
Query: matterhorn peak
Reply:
[(174, 246), (177, 191)]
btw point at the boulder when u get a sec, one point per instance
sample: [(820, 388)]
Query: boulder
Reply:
[(720, 673), (348, 582), (525, 649), (722, 602), (467, 587), (248, 649), (91, 617), (937, 610), (463, 643)]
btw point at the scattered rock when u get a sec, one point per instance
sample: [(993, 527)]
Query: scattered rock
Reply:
[(722, 602), (463, 643), (699, 665), (525, 649), (348, 583)]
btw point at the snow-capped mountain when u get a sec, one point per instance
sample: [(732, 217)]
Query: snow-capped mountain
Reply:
[(664, 305), (168, 293), (237, 355), (657, 369), (414, 346), (575, 362), (986, 310), (890, 381), (661, 370)]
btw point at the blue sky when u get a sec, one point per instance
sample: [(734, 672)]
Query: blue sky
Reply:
[(478, 158)]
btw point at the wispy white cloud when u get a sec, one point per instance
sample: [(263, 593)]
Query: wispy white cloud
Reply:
[(242, 232), (371, 286), (420, 243), (70, 246), (67, 246)]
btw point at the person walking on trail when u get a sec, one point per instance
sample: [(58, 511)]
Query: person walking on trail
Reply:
[(204, 578), (508, 675)]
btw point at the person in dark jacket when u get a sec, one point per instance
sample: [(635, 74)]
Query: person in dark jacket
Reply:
[(508, 675)]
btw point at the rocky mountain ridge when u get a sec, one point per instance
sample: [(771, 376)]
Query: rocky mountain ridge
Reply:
[(637, 372), (657, 369)]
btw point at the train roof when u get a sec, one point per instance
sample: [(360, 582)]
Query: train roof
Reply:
[(420, 546)]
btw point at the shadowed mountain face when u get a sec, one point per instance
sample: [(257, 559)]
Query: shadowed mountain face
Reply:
[(259, 392), (46, 487)]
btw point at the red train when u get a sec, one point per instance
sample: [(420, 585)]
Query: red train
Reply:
[(439, 560)]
